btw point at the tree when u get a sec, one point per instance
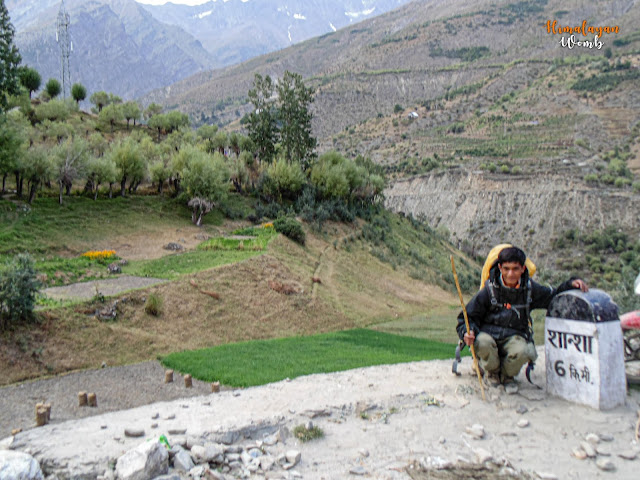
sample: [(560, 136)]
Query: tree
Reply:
[(131, 111), (10, 145), (53, 110), (38, 169), (18, 287), (295, 132), (262, 121), (9, 58), (53, 88), (70, 160), (129, 161), (30, 79), (111, 115), (102, 170), (205, 179), (78, 92), (153, 109), (99, 99)]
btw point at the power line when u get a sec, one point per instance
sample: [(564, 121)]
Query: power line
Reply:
[(62, 37)]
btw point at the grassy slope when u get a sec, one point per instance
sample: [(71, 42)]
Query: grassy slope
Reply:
[(356, 290)]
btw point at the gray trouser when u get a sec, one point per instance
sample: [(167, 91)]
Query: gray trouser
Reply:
[(505, 357)]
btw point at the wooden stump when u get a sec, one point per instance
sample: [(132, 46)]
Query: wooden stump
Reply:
[(168, 376), (41, 415), (188, 382), (92, 400), (82, 399), (215, 387), (47, 407)]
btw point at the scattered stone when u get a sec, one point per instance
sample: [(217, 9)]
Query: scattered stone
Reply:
[(177, 431), (592, 438), (155, 416), (170, 417), (182, 461), (19, 465), (104, 365), (483, 455), (605, 437), (546, 476), (628, 455), (154, 425), (228, 438), (579, 453), (147, 460), (603, 451), (442, 440), (293, 456), (236, 393), (438, 463), (266, 463), (134, 432), (114, 268), (363, 452), (605, 464), (588, 449), (174, 476), (215, 387), (123, 262), (270, 440), (168, 376), (103, 427), (523, 423), (476, 431), (359, 470), (108, 313), (175, 247), (522, 409)]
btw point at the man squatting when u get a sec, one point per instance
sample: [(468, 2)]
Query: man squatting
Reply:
[(499, 317)]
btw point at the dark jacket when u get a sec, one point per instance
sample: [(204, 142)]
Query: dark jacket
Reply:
[(506, 312)]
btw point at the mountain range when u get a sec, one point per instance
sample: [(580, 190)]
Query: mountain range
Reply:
[(128, 49)]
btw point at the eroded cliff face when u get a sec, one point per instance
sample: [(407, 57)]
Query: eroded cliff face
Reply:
[(482, 209)]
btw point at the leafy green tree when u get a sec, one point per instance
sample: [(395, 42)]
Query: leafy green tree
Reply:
[(234, 142), (56, 130), (131, 111), (284, 179), (38, 169), (114, 99), (160, 173), (205, 179), (99, 99), (11, 142), (18, 287), (52, 110), (111, 115), (30, 79), (177, 120), (153, 109), (262, 123), (160, 122), (53, 88), (129, 161), (220, 142), (70, 160), (295, 118), (207, 132), (102, 170), (78, 92), (97, 144), (9, 58)]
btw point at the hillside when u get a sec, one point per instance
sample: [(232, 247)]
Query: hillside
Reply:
[(117, 47), (515, 139), (359, 283)]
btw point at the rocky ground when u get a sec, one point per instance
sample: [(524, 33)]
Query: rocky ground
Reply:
[(385, 422)]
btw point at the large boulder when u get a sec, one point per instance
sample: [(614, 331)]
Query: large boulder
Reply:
[(144, 462), (19, 466)]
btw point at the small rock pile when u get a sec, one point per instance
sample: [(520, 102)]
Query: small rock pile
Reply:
[(196, 458)]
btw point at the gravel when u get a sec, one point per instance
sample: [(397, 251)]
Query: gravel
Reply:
[(116, 388)]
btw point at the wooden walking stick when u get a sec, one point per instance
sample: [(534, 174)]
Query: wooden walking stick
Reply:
[(466, 322)]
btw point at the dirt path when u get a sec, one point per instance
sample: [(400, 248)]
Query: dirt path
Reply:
[(106, 287), (376, 422)]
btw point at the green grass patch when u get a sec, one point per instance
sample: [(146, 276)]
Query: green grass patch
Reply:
[(260, 238), (173, 266), (47, 227), (264, 361)]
